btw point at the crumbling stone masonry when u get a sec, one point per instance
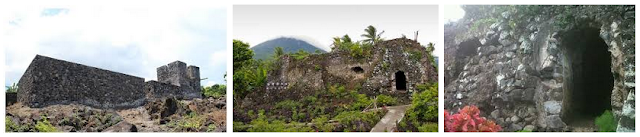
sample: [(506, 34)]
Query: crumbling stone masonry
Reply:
[(48, 81), (394, 68), (175, 80)]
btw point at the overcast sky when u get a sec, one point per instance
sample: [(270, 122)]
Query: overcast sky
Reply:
[(319, 23), (133, 41), (453, 13)]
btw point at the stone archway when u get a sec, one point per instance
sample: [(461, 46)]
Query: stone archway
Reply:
[(588, 80), (401, 81)]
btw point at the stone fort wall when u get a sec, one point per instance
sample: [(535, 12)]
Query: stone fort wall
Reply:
[(48, 81)]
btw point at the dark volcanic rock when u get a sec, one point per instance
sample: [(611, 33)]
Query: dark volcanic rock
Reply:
[(49, 81)]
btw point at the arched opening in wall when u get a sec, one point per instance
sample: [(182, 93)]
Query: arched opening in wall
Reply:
[(401, 81), (465, 50), (357, 69), (588, 80)]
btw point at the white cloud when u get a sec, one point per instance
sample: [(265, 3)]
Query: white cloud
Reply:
[(134, 41)]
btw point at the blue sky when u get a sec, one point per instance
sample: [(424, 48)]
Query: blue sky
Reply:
[(133, 41)]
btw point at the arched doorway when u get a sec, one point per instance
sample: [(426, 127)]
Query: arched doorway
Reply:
[(588, 77), (401, 81)]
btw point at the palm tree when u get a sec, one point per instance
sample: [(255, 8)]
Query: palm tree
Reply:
[(277, 52), (372, 35)]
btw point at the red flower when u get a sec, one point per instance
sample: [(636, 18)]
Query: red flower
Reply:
[(468, 119)]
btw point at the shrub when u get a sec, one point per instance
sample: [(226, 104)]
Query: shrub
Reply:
[(337, 90), (301, 54), (322, 124), (192, 122), (309, 100), (424, 104), (44, 126), (10, 126), (361, 101), (386, 100), (351, 120), (468, 120), (262, 124), (428, 127), (606, 122), (288, 104), (215, 91), (415, 55)]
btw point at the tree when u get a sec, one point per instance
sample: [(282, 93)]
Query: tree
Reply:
[(372, 35), (277, 52), (430, 48), (242, 55), (12, 89)]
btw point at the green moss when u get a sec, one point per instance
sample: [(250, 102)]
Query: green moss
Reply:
[(606, 122)]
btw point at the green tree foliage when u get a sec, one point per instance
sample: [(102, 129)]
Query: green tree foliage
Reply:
[(242, 55), (606, 122), (248, 74), (277, 52), (372, 36), (12, 89), (301, 54), (216, 91)]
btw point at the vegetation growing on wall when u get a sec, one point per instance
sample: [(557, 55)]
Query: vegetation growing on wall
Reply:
[(606, 122)]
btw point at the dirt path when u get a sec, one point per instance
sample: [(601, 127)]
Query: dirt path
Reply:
[(389, 121)]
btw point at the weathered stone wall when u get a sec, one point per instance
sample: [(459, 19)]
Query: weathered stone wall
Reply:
[(297, 78), (527, 74), (49, 81), (175, 80)]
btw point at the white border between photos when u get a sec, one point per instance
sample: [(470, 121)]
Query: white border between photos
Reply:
[(13, 4)]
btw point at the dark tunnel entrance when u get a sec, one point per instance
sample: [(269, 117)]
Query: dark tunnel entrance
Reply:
[(588, 80), (401, 81)]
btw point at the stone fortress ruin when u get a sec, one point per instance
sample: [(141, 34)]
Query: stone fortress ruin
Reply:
[(543, 75), (48, 81), (395, 68)]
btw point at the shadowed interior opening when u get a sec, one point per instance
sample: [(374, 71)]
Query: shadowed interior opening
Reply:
[(465, 50), (588, 81), (357, 69), (401, 81)]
